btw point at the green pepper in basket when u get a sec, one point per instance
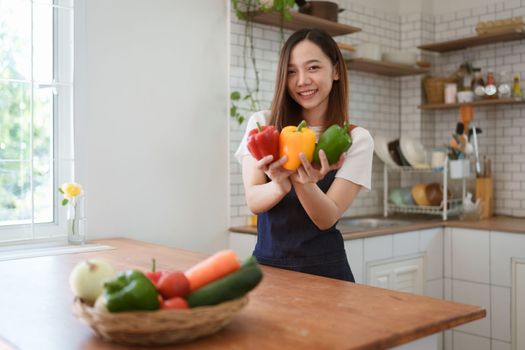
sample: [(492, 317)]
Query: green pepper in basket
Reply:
[(334, 141), (129, 291)]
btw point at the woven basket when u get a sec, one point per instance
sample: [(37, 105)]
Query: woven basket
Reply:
[(158, 327), (434, 88)]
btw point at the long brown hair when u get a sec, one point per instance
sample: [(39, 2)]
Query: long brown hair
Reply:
[(285, 111)]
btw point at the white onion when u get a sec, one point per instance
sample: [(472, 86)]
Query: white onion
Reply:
[(87, 278)]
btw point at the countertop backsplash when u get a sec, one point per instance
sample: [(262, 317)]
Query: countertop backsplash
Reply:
[(388, 106)]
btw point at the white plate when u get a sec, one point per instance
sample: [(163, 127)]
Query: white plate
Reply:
[(414, 152), (381, 149)]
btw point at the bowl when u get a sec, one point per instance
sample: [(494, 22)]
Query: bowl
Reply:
[(160, 327), (465, 96), (396, 197), (401, 57), (419, 194), (414, 152), (381, 149), (406, 193), (395, 152), (371, 51), (434, 194)]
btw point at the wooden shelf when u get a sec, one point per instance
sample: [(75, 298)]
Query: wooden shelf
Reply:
[(383, 68), (301, 20), (482, 39), (482, 103)]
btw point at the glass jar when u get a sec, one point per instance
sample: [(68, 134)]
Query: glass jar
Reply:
[(478, 85), (76, 221), (490, 88), (504, 90)]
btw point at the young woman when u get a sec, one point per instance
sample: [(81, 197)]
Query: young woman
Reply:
[(298, 210)]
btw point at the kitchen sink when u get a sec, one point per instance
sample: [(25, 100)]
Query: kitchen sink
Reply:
[(362, 224)]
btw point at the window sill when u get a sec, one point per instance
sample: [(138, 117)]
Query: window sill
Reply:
[(47, 248)]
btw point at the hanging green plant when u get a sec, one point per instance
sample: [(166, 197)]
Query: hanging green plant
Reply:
[(246, 10)]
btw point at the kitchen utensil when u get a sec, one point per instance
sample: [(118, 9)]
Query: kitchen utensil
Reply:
[(434, 194), (396, 197), (450, 92), (475, 138), (460, 128), (438, 159), (484, 190), (407, 57), (471, 131), (466, 113), (369, 50), (381, 149), (465, 96), (406, 193), (414, 152), (419, 194), (394, 153), (323, 9), (459, 168), (159, 327)]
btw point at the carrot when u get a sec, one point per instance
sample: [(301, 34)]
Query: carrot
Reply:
[(216, 266)]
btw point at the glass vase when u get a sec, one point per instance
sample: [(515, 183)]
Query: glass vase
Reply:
[(76, 221)]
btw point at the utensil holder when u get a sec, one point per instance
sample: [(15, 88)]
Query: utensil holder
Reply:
[(459, 169), (484, 192)]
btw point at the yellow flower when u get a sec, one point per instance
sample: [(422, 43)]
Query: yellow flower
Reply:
[(71, 190)]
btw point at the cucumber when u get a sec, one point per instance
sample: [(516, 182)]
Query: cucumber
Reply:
[(230, 287)]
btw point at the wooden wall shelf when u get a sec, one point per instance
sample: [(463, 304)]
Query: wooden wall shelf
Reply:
[(301, 20), (483, 39), (482, 103), (383, 68)]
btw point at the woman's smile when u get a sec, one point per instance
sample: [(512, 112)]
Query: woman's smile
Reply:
[(307, 94)]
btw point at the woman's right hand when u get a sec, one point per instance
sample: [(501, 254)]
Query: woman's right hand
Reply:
[(276, 172)]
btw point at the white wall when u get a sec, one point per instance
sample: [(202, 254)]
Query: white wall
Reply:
[(152, 120)]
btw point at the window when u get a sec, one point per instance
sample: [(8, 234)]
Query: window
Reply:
[(36, 116)]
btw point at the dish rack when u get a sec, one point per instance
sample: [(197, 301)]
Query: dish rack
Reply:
[(448, 207)]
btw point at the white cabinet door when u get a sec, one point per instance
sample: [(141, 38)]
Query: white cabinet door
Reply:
[(404, 275), (519, 304)]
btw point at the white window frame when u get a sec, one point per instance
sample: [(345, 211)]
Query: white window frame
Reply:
[(63, 129)]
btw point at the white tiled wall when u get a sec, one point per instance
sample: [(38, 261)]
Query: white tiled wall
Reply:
[(389, 105)]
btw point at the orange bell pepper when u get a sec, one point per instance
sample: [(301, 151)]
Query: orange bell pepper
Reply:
[(294, 140)]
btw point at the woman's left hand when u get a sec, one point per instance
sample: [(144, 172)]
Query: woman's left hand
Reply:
[(308, 173)]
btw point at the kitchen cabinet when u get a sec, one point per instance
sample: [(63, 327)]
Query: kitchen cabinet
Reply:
[(403, 275), (518, 308), (242, 244)]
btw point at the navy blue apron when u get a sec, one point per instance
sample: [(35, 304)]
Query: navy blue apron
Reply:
[(287, 238)]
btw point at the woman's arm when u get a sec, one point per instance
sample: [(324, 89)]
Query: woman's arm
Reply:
[(261, 195), (325, 209)]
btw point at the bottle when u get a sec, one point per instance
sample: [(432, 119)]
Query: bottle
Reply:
[(478, 85), (490, 89), (504, 90), (516, 90)]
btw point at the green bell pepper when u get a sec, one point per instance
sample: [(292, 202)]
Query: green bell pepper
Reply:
[(334, 141), (130, 291)]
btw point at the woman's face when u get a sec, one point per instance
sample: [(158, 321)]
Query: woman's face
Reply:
[(310, 78)]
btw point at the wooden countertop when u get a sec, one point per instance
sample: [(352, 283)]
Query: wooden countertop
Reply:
[(496, 223), (288, 310)]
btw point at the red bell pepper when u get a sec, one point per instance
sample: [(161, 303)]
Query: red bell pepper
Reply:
[(264, 141), (154, 276)]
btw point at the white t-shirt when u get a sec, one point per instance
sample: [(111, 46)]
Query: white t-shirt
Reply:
[(357, 166)]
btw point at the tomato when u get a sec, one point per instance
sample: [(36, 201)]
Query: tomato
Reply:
[(173, 284), (175, 303)]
